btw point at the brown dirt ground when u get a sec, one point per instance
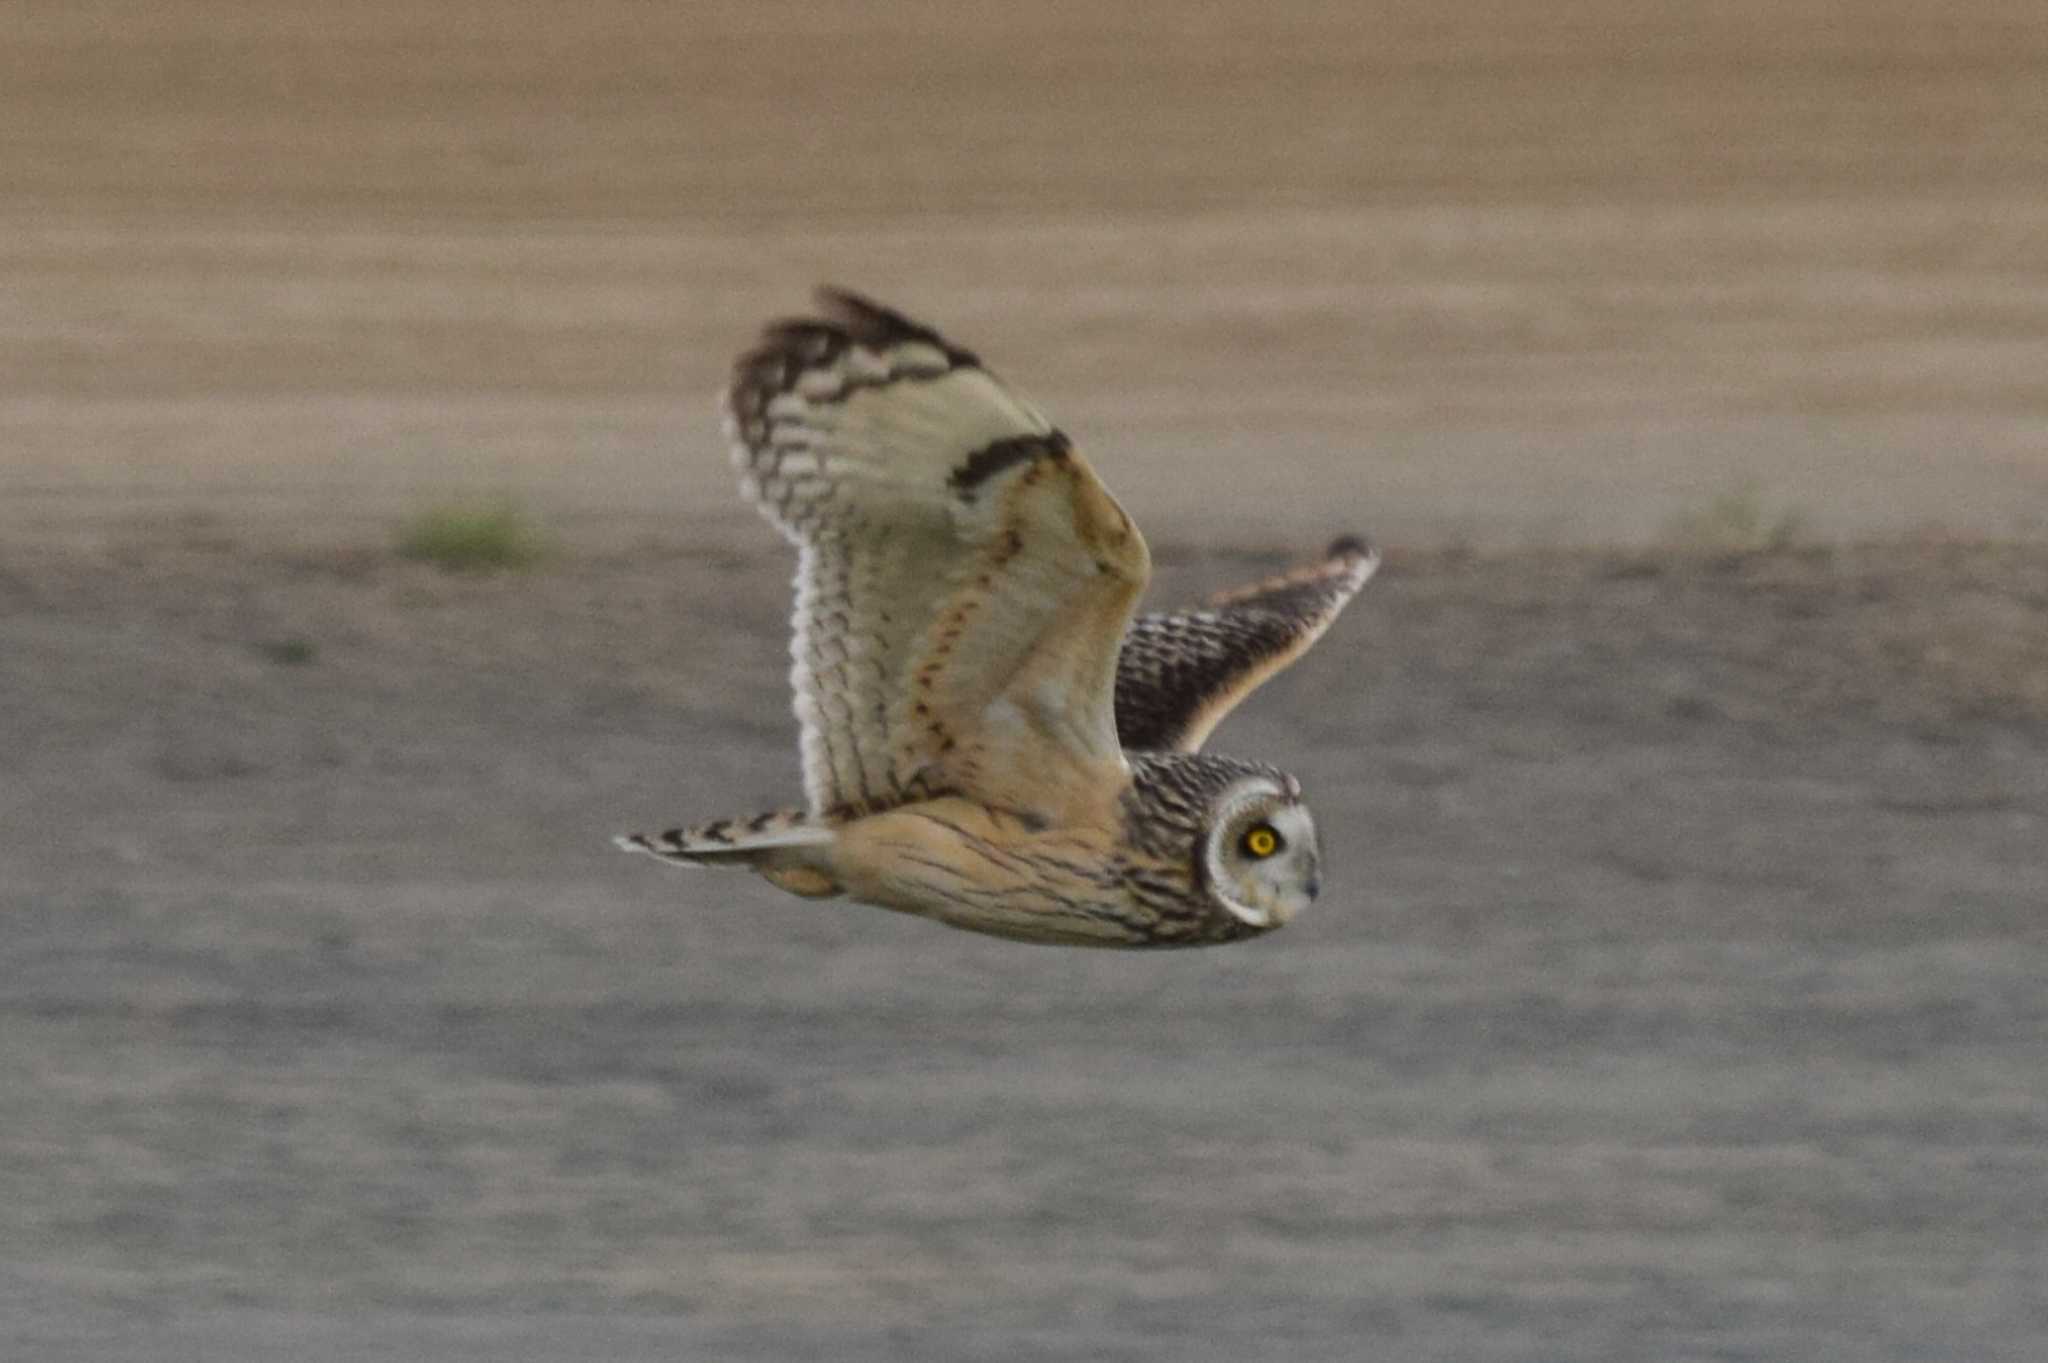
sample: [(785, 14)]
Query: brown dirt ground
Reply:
[(1488, 273)]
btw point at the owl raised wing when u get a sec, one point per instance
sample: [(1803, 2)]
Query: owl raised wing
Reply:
[(964, 579), (1181, 672)]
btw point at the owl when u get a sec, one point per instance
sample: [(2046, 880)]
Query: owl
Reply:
[(989, 738)]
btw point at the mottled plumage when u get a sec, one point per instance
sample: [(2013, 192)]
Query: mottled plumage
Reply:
[(973, 694)]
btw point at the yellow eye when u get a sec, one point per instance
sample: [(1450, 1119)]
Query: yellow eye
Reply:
[(1261, 841)]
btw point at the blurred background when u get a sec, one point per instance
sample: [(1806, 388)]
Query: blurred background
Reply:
[(1500, 273), (368, 556)]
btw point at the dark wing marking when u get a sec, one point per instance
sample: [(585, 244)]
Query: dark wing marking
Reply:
[(1181, 672)]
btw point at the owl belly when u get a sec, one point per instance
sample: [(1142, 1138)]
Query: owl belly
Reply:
[(981, 870)]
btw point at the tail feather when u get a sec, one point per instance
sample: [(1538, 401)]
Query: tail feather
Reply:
[(738, 840)]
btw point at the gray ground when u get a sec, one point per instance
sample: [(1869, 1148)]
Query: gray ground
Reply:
[(1677, 993)]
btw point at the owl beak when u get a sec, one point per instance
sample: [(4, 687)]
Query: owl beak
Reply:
[(1315, 884)]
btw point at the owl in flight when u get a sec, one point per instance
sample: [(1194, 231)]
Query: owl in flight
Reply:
[(989, 737)]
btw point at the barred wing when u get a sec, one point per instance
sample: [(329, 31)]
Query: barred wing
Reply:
[(964, 580), (1181, 672)]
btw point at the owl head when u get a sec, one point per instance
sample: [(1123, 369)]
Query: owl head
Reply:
[(1257, 857)]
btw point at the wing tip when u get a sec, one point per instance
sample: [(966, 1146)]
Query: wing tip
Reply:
[(1355, 555), (1351, 545), (788, 348), (866, 321), (1345, 566)]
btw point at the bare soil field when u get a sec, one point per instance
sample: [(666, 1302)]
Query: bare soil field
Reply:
[(1496, 273), (1676, 993)]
